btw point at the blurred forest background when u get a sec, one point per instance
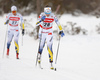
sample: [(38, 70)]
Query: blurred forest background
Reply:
[(66, 6)]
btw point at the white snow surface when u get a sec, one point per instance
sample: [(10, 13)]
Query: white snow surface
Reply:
[(78, 57)]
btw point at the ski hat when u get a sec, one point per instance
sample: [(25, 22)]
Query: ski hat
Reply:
[(47, 10), (13, 8)]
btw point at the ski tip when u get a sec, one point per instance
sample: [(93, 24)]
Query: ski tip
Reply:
[(41, 68), (17, 58)]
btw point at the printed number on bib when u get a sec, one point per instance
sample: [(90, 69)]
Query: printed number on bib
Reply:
[(46, 24), (14, 22)]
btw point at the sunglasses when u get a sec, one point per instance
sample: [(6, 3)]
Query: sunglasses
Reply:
[(13, 11)]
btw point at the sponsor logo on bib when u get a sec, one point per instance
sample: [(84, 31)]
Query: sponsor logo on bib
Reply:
[(14, 18)]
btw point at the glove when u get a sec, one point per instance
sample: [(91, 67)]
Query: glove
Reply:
[(6, 22), (61, 33), (43, 18), (22, 31)]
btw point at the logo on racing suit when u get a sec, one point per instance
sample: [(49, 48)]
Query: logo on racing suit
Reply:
[(49, 20), (14, 18)]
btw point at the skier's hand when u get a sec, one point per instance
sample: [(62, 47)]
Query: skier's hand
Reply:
[(22, 31), (61, 33), (6, 22), (43, 18)]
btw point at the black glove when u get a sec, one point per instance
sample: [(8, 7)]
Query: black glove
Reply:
[(22, 31), (61, 33), (6, 22)]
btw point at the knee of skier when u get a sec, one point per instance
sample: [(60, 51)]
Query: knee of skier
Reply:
[(16, 40)]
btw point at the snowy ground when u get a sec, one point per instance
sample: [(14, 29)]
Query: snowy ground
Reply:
[(78, 59)]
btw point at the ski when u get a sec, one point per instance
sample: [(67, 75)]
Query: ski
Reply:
[(39, 63), (40, 66), (53, 69)]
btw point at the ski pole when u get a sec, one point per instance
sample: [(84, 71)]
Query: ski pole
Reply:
[(5, 41), (39, 41), (36, 59), (37, 53), (22, 40), (57, 50), (39, 47), (22, 35)]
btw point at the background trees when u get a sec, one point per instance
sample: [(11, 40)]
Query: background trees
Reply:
[(67, 6)]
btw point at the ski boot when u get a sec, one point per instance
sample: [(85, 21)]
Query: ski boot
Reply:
[(17, 55), (52, 68), (7, 52), (39, 58)]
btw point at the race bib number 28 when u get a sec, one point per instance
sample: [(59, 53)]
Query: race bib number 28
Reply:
[(46, 24)]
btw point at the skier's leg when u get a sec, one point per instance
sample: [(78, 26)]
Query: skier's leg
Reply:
[(10, 36), (16, 37), (41, 45), (49, 47), (42, 42)]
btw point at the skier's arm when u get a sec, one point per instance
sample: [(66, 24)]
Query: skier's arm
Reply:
[(57, 22), (37, 24), (59, 26), (40, 19), (22, 22), (7, 19)]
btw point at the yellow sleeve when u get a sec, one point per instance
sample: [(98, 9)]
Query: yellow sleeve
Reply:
[(60, 28), (4, 22), (23, 26), (38, 22)]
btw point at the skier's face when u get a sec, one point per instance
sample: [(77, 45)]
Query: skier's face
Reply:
[(47, 15), (14, 12)]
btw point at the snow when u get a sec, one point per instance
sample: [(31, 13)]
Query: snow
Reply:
[(84, 21), (78, 59)]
